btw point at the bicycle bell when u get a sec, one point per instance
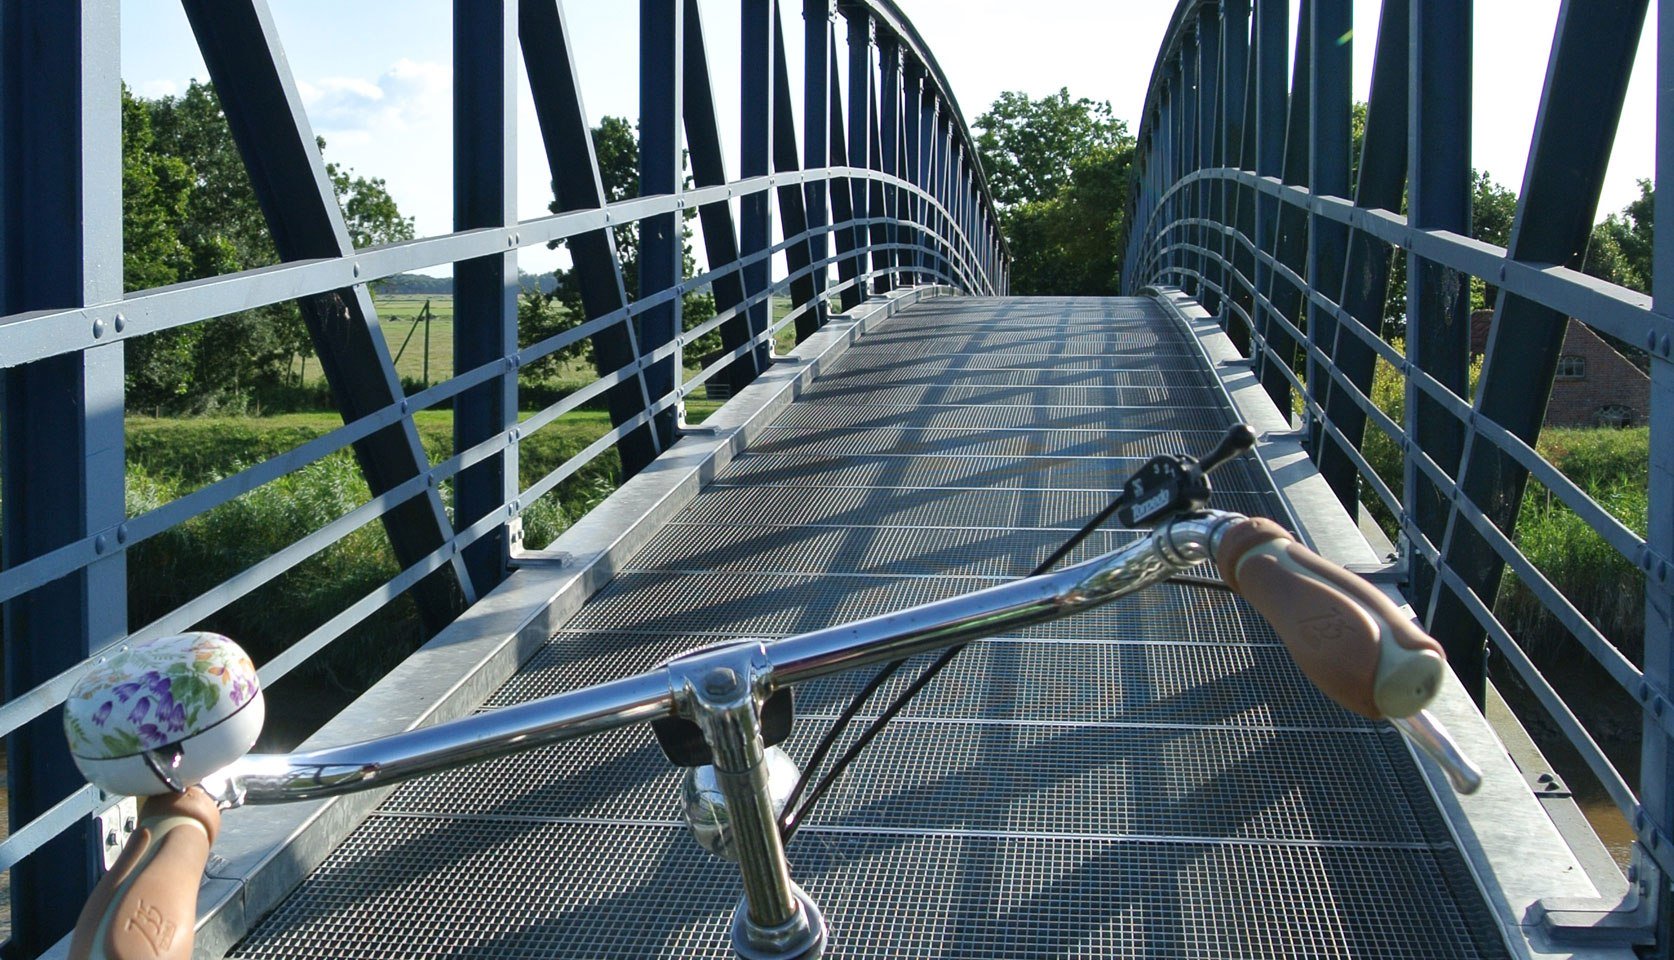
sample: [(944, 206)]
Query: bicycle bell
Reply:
[(162, 714)]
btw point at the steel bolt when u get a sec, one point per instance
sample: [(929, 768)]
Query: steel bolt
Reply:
[(720, 682)]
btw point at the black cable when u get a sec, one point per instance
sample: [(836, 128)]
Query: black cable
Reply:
[(794, 815)]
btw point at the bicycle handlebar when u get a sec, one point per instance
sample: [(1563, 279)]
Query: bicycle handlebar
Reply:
[(1347, 638)]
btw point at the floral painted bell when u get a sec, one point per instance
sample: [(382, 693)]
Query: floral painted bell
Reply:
[(164, 713)]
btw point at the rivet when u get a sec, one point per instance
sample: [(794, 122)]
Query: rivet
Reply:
[(511, 241), (430, 479), (1502, 271), (1658, 706), (1663, 345), (607, 216), (101, 543), (515, 434), (121, 322), (403, 406), (1639, 821), (518, 237), (122, 533), (453, 548), (513, 360), (1650, 340), (98, 328), (1644, 690), (1645, 561), (1662, 571), (357, 269)]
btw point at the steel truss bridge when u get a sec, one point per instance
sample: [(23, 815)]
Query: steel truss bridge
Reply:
[(1151, 780)]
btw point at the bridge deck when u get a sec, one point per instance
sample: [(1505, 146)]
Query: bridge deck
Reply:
[(1155, 779)]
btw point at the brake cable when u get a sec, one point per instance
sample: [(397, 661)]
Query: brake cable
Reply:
[(1165, 486)]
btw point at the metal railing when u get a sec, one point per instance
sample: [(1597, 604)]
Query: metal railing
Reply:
[(884, 194), (1243, 198)]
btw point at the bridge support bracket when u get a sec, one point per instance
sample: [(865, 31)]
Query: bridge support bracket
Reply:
[(1573, 921)]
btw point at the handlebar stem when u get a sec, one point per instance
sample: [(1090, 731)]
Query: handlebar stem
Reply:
[(722, 690)]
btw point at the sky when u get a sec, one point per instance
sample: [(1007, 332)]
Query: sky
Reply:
[(375, 79)]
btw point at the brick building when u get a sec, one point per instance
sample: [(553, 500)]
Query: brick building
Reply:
[(1595, 385)]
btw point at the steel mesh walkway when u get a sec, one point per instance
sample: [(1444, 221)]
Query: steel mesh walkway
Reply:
[(1153, 779)]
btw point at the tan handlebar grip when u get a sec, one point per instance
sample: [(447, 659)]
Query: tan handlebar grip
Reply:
[(146, 906), (1347, 637)]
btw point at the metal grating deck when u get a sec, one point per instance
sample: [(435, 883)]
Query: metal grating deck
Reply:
[(1154, 779)]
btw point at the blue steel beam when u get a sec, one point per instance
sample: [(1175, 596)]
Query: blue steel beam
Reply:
[(485, 289), (817, 87), (844, 191), (755, 228), (911, 169), (1331, 104), (550, 64), (1290, 240), (1271, 37), (793, 215), (1438, 300), (62, 454), (720, 234), (1656, 766), (1188, 151), (1209, 109), (1380, 182), (862, 146), (241, 49), (1581, 104), (1234, 30), (661, 164), (888, 137)]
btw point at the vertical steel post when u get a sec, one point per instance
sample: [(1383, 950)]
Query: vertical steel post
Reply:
[(861, 145), (1656, 767), (889, 129), (843, 193), (1272, 43), (793, 216), (661, 158), (755, 230), (485, 289), (1235, 63), (1581, 104), (816, 147), (910, 209), (1185, 204), (62, 459), (720, 235), (1290, 241), (1208, 147), (1330, 107), (1381, 181), (1438, 300)]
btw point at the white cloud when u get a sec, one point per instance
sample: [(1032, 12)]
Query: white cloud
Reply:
[(410, 94)]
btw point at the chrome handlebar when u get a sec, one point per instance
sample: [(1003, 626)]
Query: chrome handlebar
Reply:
[(1173, 546)]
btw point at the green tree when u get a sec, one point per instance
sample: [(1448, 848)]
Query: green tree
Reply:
[(189, 212), (1620, 248), (543, 315), (1059, 171)]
